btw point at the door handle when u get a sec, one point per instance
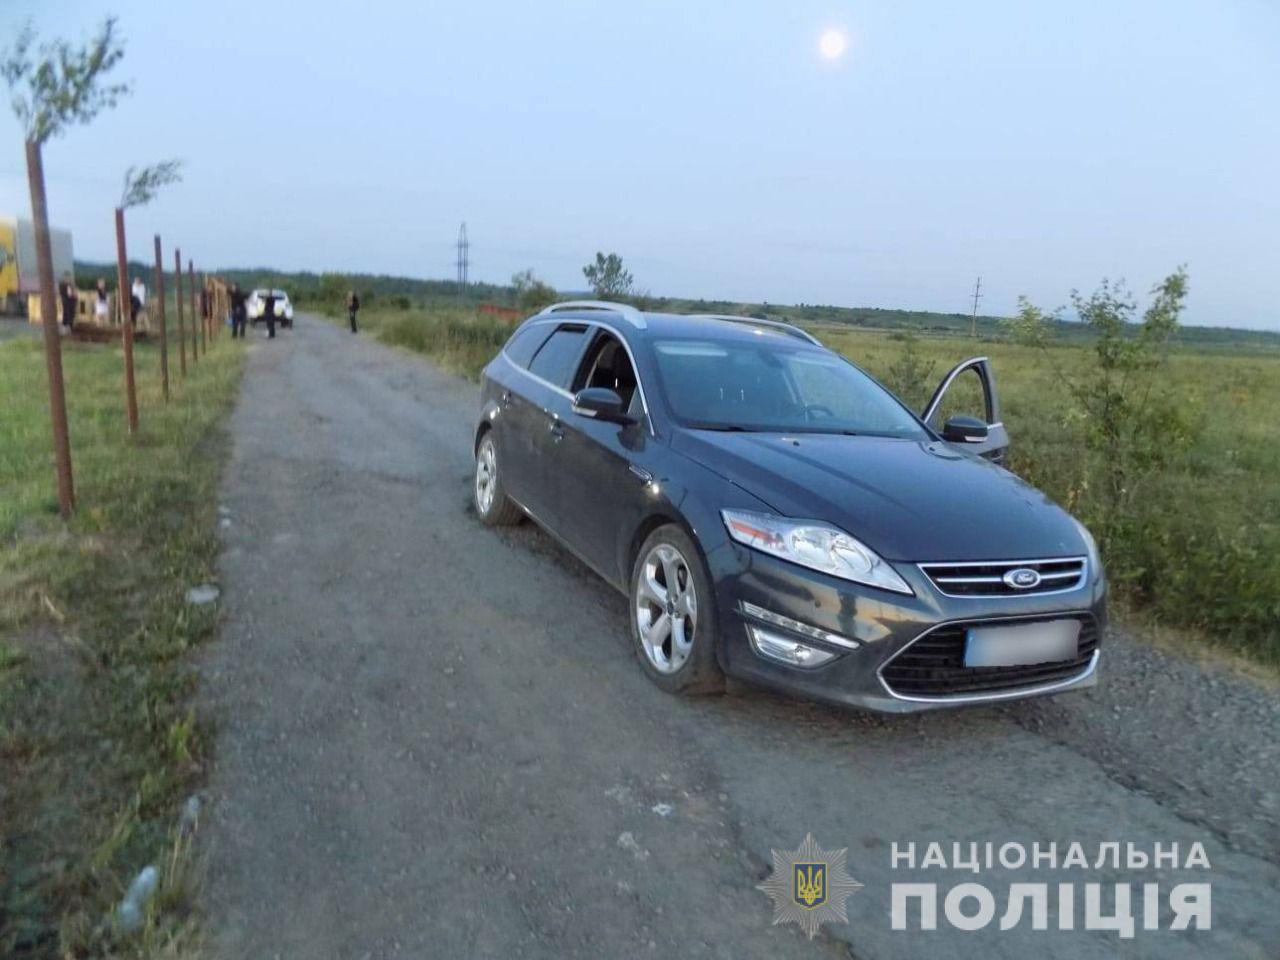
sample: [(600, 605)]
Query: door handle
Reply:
[(505, 398), (643, 475), (556, 429)]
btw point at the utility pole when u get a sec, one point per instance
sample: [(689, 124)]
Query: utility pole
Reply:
[(464, 260), (977, 295)]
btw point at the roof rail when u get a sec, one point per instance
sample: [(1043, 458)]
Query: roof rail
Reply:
[(788, 328), (625, 310)]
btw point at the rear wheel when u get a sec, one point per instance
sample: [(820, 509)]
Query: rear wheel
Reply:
[(493, 506), (673, 623)]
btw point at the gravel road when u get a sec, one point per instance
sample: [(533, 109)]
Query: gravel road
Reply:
[(434, 741)]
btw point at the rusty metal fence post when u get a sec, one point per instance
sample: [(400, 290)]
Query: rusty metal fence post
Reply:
[(191, 278), (164, 333), (52, 336), (126, 323), (182, 329)]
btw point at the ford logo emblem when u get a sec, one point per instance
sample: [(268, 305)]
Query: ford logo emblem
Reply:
[(1024, 578)]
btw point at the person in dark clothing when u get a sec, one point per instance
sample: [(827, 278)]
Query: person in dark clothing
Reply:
[(239, 312), (269, 311), (353, 306), (69, 300)]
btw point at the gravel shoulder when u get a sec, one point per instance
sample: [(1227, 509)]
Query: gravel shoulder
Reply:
[(434, 741)]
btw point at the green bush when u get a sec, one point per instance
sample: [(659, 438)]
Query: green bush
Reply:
[(463, 342)]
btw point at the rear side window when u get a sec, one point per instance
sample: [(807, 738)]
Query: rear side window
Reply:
[(526, 342), (557, 359)]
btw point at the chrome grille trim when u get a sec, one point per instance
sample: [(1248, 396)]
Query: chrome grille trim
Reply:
[(977, 579)]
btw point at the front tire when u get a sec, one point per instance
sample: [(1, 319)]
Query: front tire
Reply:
[(493, 506), (673, 621)]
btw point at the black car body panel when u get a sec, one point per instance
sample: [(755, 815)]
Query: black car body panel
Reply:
[(600, 487), (906, 499)]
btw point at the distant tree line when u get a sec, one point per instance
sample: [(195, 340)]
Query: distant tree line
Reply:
[(608, 278)]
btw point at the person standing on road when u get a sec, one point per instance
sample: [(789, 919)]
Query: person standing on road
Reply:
[(239, 312), (269, 311), (353, 307), (69, 300), (101, 306)]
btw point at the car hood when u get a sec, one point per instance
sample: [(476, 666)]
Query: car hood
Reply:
[(909, 500)]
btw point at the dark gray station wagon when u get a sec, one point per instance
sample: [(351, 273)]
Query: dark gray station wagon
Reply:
[(775, 514)]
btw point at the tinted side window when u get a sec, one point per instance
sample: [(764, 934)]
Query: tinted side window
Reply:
[(526, 342), (556, 360)]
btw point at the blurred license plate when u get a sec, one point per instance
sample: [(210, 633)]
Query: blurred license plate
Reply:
[(1021, 644)]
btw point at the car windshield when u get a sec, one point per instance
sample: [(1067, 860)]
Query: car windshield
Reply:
[(772, 386)]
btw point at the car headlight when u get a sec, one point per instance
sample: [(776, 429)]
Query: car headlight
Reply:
[(1091, 548), (818, 546)]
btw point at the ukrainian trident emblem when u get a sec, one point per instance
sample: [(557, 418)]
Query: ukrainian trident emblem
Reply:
[(809, 886)]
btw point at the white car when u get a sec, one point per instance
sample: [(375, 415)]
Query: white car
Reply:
[(257, 304)]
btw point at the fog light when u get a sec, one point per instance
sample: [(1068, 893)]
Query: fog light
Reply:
[(774, 646), (795, 626)]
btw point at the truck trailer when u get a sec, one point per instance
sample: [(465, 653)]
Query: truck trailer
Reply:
[(19, 272)]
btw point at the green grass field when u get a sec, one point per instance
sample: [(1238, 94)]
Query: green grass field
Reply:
[(1201, 548), (98, 742)]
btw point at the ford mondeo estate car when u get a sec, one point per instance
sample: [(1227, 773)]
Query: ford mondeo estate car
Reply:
[(776, 515)]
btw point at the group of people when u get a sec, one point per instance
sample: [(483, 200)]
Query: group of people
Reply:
[(70, 297)]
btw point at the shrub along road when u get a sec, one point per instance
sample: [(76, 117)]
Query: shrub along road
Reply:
[(434, 740)]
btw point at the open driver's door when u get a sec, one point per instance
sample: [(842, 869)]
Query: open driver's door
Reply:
[(959, 406)]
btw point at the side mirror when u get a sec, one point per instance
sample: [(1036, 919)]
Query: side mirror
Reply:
[(964, 430), (601, 403)]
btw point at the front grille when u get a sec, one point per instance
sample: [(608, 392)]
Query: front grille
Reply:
[(933, 666), (987, 578)]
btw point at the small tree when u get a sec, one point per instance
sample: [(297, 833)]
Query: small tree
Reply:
[(911, 375), (1132, 424), (51, 90), (1030, 326), (607, 276), (141, 185), (531, 294), (140, 188)]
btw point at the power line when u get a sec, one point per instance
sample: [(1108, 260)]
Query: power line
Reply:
[(977, 295)]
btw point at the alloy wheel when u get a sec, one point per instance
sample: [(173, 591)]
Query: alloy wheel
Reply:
[(486, 476), (666, 608)]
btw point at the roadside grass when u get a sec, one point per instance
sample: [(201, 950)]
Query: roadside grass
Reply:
[(1201, 550), (458, 339), (99, 745)]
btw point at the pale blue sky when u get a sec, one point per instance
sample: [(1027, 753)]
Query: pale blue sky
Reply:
[(1041, 145)]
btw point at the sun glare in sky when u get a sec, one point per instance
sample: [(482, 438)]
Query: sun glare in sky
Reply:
[(832, 44)]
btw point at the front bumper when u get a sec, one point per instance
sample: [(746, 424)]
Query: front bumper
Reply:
[(882, 624)]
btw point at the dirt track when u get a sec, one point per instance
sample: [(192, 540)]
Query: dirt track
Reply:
[(434, 740)]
